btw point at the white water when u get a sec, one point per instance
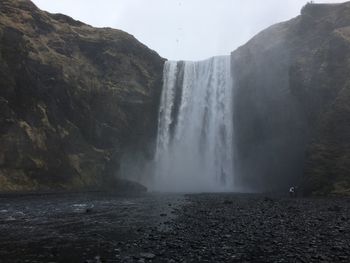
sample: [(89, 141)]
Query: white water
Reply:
[(194, 144)]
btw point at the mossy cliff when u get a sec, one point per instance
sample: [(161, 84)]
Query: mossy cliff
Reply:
[(292, 103), (73, 98)]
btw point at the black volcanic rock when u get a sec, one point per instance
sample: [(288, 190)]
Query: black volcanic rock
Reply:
[(292, 118), (73, 98)]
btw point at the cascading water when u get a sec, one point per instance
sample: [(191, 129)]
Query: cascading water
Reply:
[(195, 129)]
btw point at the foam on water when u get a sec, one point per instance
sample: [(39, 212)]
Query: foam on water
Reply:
[(195, 129)]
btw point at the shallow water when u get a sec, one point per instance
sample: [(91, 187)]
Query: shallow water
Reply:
[(32, 227)]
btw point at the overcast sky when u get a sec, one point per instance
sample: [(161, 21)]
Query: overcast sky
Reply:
[(182, 29)]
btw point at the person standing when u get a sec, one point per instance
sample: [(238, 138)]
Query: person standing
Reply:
[(292, 191)]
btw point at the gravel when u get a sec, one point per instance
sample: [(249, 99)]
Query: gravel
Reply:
[(174, 228)]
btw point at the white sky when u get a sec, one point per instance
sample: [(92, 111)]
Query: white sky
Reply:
[(182, 29)]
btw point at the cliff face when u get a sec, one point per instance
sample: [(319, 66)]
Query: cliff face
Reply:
[(292, 113), (73, 99)]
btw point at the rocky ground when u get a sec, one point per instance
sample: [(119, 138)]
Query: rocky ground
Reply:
[(174, 228)]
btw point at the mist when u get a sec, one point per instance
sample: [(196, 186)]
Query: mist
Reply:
[(203, 143), (219, 133), (183, 30)]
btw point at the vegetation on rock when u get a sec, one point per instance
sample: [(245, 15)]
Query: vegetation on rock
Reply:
[(294, 77), (73, 98)]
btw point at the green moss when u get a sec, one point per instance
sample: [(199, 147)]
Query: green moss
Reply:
[(66, 85)]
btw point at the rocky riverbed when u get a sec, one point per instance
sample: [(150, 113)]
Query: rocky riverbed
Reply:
[(173, 228)]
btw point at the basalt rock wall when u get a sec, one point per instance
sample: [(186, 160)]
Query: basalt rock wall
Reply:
[(73, 99), (292, 114)]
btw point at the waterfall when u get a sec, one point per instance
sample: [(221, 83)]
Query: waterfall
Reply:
[(195, 129)]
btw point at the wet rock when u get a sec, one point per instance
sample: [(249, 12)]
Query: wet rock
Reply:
[(11, 218), (268, 199), (147, 255), (334, 208), (204, 230)]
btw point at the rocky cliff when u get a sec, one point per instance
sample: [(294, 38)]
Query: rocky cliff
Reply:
[(292, 97), (73, 99)]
